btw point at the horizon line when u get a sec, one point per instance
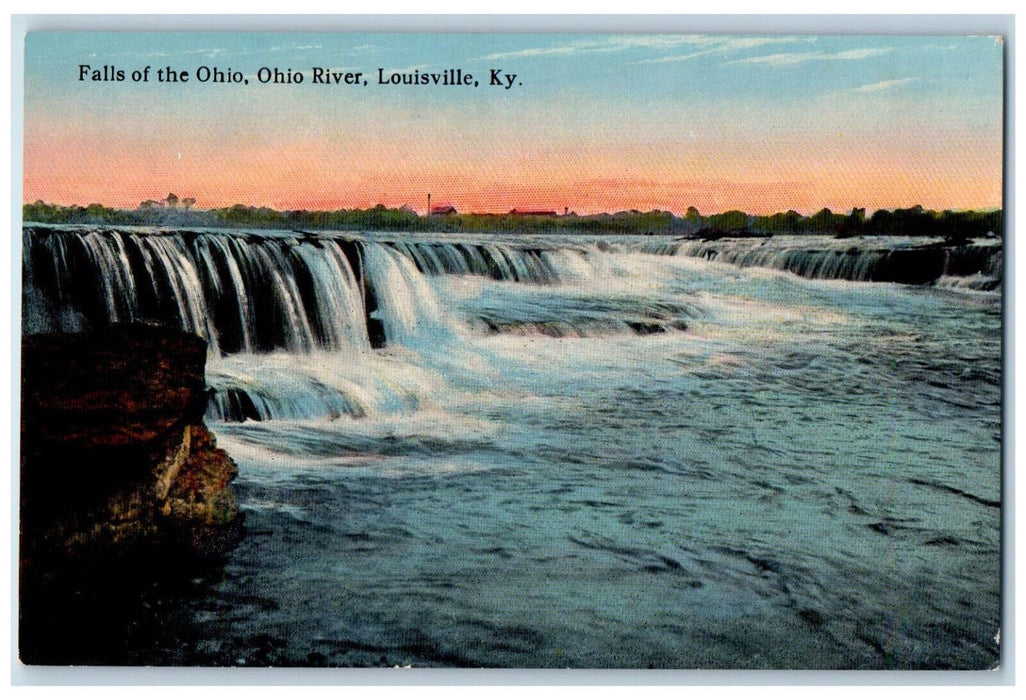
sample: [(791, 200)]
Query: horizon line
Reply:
[(517, 210)]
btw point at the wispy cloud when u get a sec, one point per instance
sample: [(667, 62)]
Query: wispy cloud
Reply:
[(720, 45), (215, 53), (883, 85), (657, 42), (561, 50), (295, 47), (792, 59)]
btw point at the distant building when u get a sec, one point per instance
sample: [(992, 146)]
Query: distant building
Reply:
[(531, 212), (443, 209)]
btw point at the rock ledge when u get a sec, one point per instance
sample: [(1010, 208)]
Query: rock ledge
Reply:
[(115, 458)]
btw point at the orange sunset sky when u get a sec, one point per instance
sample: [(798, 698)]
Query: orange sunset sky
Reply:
[(591, 123)]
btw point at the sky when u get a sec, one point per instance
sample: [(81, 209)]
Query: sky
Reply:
[(590, 123)]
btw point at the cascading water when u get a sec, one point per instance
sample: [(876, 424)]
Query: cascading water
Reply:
[(261, 293), (576, 451), (407, 306), (241, 295), (254, 292), (517, 264), (881, 259)]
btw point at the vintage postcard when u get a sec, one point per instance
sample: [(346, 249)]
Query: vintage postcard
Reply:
[(629, 351)]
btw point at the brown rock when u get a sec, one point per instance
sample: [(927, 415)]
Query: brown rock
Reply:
[(115, 457)]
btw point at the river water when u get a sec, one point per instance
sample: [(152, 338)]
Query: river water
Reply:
[(573, 452)]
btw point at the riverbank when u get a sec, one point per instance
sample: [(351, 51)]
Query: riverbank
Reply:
[(121, 482)]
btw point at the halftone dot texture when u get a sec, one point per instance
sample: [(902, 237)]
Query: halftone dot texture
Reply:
[(593, 124)]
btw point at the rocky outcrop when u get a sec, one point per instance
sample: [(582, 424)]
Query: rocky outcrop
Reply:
[(115, 457), (122, 486)]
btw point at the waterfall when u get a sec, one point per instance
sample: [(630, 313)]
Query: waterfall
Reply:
[(293, 320), (507, 263), (257, 292), (865, 260), (407, 308), (253, 292), (290, 320), (242, 294)]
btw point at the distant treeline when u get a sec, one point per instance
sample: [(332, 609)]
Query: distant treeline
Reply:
[(171, 211)]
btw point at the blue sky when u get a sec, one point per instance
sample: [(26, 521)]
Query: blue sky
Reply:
[(760, 122)]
